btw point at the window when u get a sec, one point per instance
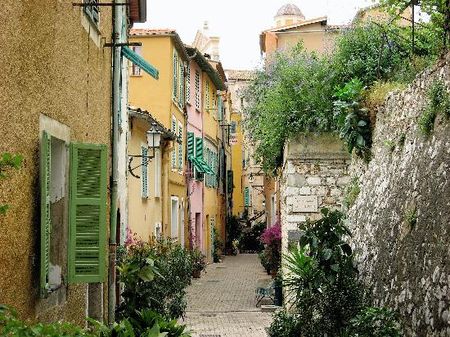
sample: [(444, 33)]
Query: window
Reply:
[(181, 85), (144, 172), (247, 197), (174, 217), (197, 90), (180, 147), (174, 150), (135, 70), (220, 109), (207, 96), (188, 84), (86, 165), (199, 155), (93, 11), (175, 75), (157, 170)]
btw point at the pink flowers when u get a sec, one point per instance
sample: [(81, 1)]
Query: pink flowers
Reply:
[(272, 235)]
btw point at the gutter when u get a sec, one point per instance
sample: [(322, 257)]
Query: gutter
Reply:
[(116, 69)]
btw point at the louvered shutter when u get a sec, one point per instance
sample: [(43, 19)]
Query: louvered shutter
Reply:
[(181, 84), (246, 197), (144, 172), (180, 147), (87, 215), (45, 177), (219, 108), (230, 185), (174, 151), (175, 74), (190, 144), (188, 84), (199, 147)]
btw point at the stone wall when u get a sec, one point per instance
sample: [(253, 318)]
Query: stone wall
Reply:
[(315, 175), (406, 261)]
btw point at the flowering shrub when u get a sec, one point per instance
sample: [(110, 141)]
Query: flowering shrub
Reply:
[(271, 238), (272, 235)]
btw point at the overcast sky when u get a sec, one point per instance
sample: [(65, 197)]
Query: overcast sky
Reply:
[(239, 22)]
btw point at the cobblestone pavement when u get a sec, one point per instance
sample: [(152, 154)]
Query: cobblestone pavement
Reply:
[(222, 302)]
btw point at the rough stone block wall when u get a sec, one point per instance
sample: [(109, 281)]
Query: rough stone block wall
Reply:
[(315, 175), (406, 263)]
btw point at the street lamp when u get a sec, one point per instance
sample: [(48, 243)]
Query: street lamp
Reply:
[(153, 142)]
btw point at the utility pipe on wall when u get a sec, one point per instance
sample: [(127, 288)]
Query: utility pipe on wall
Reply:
[(116, 70)]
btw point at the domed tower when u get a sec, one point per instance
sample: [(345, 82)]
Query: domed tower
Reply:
[(288, 15)]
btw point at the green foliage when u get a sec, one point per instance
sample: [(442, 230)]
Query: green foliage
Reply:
[(327, 297), (352, 193), (390, 145), (284, 324), (218, 246), (438, 103), (352, 119), (292, 94), (11, 325), (375, 322), (155, 276), (8, 161), (249, 240), (233, 232), (325, 241), (145, 323), (198, 260), (411, 217)]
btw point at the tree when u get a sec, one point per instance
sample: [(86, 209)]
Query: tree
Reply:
[(439, 11)]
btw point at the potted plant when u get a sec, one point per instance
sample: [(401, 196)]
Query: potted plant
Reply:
[(198, 262), (271, 238)]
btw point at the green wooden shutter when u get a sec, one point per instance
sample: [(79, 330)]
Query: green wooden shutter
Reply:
[(182, 92), (246, 197), (199, 147), (45, 177), (87, 213), (144, 172), (188, 84), (190, 144), (219, 109)]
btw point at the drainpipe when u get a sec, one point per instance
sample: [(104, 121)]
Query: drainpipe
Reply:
[(117, 28)]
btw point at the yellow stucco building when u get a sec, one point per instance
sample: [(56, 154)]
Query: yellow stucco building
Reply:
[(157, 203)]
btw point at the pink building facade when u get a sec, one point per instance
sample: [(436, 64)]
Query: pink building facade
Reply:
[(195, 126)]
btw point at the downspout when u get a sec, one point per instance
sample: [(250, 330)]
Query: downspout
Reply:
[(117, 27)]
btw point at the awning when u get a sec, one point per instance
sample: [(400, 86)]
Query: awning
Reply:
[(200, 165), (140, 62)]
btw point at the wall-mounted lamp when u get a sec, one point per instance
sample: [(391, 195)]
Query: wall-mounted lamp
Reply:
[(153, 142)]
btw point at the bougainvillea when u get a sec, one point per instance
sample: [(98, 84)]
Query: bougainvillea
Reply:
[(272, 235)]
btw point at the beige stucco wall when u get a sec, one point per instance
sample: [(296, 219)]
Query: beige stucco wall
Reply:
[(49, 65), (144, 213), (314, 38)]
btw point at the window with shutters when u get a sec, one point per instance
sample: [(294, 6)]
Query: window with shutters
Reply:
[(198, 149), (175, 144), (92, 11), (54, 198), (87, 213), (175, 76), (188, 84), (180, 147), (135, 70), (197, 90), (220, 108), (181, 84), (73, 213), (247, 197), (207, 96), (144, 172)]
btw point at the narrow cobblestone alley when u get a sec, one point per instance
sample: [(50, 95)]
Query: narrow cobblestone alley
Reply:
[(222, 302)]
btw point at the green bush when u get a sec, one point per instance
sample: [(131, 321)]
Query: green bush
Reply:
[(233, 232), (375, 322), (284, 324), (155, 276), (11, 325), (218, 246), (438, 103), (249, 240), (145, 323)]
